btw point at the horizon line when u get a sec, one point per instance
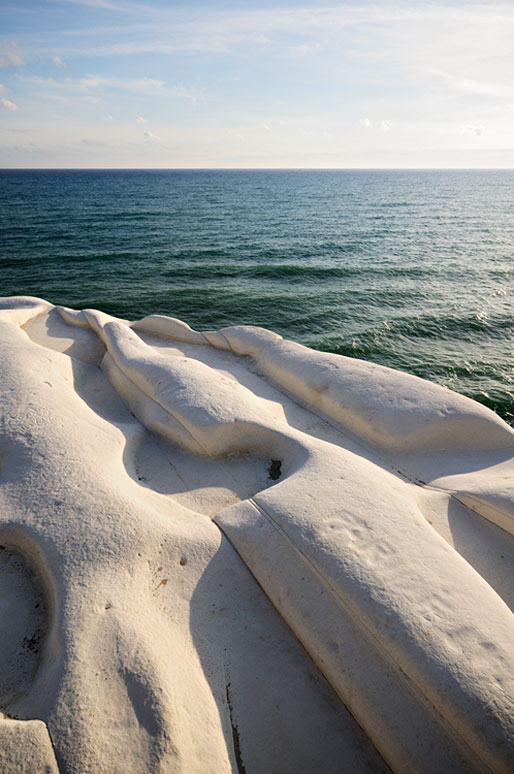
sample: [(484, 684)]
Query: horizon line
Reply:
[(257, 169)]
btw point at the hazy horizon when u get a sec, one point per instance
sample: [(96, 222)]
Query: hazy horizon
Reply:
[(255, 169)]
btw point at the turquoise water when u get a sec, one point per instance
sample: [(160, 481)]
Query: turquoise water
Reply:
[(411, 269)]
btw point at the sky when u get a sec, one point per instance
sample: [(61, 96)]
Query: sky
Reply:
[(237, 84)]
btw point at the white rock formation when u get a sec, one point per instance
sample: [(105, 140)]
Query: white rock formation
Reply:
[(223, 551)]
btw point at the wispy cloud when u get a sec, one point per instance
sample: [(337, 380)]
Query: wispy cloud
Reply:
[(502, 87), (8, 105), (154, 86), (16, 130), (90, 82), (141, 120), (9, 55), (102, 4), (58, 62), (151, 137), (98, 83), (147, 83), (307, 30), (475, 131), (54, 97), (365, 123)]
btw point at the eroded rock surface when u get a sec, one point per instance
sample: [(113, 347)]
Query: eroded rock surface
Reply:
[(236, 554)]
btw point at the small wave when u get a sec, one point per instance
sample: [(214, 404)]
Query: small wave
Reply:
[(450, 326), (277, 271)]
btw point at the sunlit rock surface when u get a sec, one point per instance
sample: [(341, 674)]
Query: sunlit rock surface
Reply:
[(224, 552)]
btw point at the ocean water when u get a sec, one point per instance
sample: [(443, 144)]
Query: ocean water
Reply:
[(411, 269)]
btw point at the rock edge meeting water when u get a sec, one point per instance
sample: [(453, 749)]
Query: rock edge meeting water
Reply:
[(410, 269)]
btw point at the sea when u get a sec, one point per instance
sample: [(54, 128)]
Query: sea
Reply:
[(413, 269)]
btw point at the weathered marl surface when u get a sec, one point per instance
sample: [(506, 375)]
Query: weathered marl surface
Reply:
[(151, 474)]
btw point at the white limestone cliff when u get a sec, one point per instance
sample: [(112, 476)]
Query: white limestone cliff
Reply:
[(223, 551)]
